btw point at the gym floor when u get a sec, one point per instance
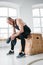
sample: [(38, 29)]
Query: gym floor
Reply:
[(13, 60)]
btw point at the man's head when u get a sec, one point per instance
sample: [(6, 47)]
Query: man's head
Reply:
[(10, 21)]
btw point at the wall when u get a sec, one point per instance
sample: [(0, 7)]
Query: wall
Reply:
[(26, 11), (26, 14)]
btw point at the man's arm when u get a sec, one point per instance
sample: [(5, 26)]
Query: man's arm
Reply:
[(19, 32), (20, 24), (14, 30)]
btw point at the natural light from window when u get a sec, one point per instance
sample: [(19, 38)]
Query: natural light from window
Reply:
[(5, 29), (37, 13)]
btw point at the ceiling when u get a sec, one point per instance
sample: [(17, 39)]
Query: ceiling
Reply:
[(15, 1), (20, 2)]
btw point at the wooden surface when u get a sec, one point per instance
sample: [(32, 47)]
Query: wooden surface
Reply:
[(34, 45)]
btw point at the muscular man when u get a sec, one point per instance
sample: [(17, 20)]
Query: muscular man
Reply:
[(23, 32)]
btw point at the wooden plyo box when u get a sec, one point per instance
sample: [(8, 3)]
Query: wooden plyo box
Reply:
[(34, 45)]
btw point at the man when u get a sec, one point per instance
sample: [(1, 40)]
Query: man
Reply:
[(23, 32)]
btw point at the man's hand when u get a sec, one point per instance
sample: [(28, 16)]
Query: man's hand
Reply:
[(12, 37)]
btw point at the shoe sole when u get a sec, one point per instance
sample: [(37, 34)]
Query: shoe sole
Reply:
[(21, 56), (10, 54)]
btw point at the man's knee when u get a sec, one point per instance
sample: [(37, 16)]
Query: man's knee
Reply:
[(21, 36), (13, 41)]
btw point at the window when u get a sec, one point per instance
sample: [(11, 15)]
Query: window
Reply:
[(36, 22), (3, 11), (37, 19), (38, 30), (41, 11), (3, 22), (36, 12), (12, 12), (6, 29), (42, 22)]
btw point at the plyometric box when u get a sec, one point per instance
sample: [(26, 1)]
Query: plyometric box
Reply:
[(34, 45)]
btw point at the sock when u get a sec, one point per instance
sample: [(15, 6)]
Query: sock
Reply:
[(12, 50), (23, 52)]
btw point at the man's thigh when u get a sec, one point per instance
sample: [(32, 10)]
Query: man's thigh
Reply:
[(21, 36)]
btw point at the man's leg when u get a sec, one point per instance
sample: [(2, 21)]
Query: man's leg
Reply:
[(22, 53), (23, 45), (13, 42)]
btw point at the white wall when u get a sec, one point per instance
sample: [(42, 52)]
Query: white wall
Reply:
[(26, 13)]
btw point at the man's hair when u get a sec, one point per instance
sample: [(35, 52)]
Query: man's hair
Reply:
[(14, 21), (9, 18)]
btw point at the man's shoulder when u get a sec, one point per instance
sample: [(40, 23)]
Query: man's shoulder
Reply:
[(19, 19)]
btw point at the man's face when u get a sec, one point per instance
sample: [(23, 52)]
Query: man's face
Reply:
[(10, 22)]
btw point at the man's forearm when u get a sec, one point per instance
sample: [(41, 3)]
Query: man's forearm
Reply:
[(17, 34)]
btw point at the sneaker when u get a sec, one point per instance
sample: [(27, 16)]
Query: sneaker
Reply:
[(21, 55), (8, 40), (10, 52)]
